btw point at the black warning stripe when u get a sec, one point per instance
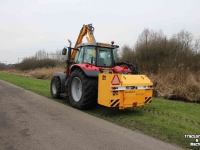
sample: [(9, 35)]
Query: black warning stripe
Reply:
[(114, 103), (147, 99), (117, 105)]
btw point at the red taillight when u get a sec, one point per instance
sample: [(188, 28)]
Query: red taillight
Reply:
[(151, 86)]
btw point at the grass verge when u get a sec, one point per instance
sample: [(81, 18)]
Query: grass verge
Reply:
[(163, 119)]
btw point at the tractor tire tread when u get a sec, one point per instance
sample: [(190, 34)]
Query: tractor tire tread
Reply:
[(58, 87), (89, 91)]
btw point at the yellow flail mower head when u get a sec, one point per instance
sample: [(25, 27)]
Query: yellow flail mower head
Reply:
[(124, 90)]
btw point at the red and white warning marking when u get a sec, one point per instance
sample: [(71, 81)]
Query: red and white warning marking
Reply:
[(115, 80)]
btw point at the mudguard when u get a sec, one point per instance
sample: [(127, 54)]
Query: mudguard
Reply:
[(62, 76), (90, 72)]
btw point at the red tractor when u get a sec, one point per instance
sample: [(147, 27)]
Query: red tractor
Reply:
[(93, 76)]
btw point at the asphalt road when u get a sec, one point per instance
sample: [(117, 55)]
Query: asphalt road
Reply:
[(32, 122)]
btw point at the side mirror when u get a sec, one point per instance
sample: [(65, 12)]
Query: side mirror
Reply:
[(64, 51)]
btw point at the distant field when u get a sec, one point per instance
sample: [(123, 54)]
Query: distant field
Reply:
[(163, 119)]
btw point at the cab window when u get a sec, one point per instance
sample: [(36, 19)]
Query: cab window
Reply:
[(104, 57), (79, 56), (89, 53)]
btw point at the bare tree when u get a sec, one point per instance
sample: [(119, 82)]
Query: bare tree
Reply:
[(196, 47), (41, 54), (127, 54)]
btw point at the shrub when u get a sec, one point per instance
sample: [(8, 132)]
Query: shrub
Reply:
[(173, 64), (32, 63), (2, 66)]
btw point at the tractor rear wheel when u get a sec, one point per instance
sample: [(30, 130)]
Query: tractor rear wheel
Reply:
[(82, 90), (55, 87)]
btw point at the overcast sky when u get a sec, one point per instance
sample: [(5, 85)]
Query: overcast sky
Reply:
[(27, 26)]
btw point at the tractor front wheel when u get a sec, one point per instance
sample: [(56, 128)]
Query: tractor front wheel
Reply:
[(82, 90), (55, 87)]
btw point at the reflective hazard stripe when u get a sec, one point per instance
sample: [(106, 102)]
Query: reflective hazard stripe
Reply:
[(114, 103), (148, 99), (123, 88)]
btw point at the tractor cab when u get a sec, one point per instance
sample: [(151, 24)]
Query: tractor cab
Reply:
[(98, 54)]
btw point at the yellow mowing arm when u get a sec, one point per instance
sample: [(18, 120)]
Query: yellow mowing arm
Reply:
[(86, 29)]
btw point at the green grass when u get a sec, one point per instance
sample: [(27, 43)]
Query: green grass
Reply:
[(36, 85), (163, 119)]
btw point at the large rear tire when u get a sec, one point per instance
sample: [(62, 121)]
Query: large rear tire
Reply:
[(55, 87), (82, 90)]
